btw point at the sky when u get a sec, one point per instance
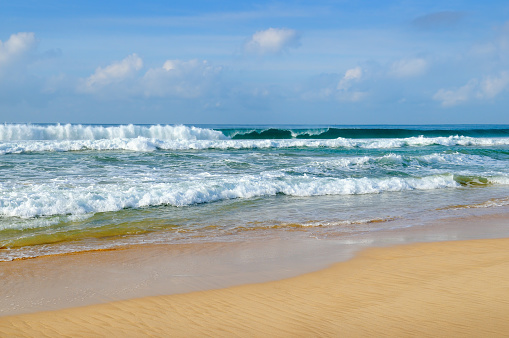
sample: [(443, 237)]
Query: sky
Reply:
[(263, 62)]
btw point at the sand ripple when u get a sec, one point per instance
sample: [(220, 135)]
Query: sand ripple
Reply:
[(433, 289)]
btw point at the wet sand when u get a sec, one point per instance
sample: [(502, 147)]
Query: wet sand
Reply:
[(442, 288), (456, 288), (71, 280)]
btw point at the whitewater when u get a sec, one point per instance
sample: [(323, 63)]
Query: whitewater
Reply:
[(68, 187)]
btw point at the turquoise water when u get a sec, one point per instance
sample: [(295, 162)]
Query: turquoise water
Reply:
[(66, 188)]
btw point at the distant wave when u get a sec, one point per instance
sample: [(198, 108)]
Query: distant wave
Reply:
[(58, 132), (144, 144), (63, 132), (358, 133)]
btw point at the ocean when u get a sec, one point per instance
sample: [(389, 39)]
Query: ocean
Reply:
[(71, 188)]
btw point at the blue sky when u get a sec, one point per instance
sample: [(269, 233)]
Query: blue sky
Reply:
[(303, 62)]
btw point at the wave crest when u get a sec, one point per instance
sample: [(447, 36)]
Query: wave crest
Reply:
[(58, 132), (192, 142), (360, 133), (50, 199)]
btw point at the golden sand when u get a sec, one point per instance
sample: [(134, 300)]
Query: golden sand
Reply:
[(433, 289)]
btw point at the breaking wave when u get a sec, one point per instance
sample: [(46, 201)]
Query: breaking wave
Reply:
[(17, 132), (58, 132), (151, 144), (51, 199)]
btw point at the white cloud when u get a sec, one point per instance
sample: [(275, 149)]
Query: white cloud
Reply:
[(174, 79), (488, 88), (335, 86), (114, 73), (408, 67), (178, 78), (16, 49), (492, 86), (351, 75), (345, 92), (272, 40), (455, 96)]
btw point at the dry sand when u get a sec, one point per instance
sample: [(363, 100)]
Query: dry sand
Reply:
[(432, 289)]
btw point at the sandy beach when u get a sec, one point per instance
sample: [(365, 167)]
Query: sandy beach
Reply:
[(254, 169), (446, 288)]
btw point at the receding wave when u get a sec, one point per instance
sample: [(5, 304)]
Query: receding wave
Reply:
[(492, 203), (313, 224), (49, 199), (25, 247)]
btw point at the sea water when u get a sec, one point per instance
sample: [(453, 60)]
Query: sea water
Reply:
[(69, 188)]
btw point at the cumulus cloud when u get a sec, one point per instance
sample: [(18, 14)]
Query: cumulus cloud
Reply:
[(114, 73), (453, 97), (174, 79), (408, 67), (16, 49), (179, 78), (488, 88), (492, 86), (351, 76), (344, 87), (272, 41)]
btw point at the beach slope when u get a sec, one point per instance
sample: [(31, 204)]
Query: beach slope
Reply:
[(456, 288)]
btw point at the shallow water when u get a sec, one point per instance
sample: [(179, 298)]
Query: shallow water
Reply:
[(67, 188)]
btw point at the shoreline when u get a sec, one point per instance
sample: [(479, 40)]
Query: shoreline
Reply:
[(38, 289), (79, 279), (424, 289), (93, 277)]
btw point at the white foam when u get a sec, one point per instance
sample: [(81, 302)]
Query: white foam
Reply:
[(310, 132), (492, 203), (409, 163), (187, 139), (51, 199), (17, 132), (502, 180)]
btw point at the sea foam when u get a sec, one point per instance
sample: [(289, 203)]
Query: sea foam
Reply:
[(17, 132), (51, 199), (141, 143)]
